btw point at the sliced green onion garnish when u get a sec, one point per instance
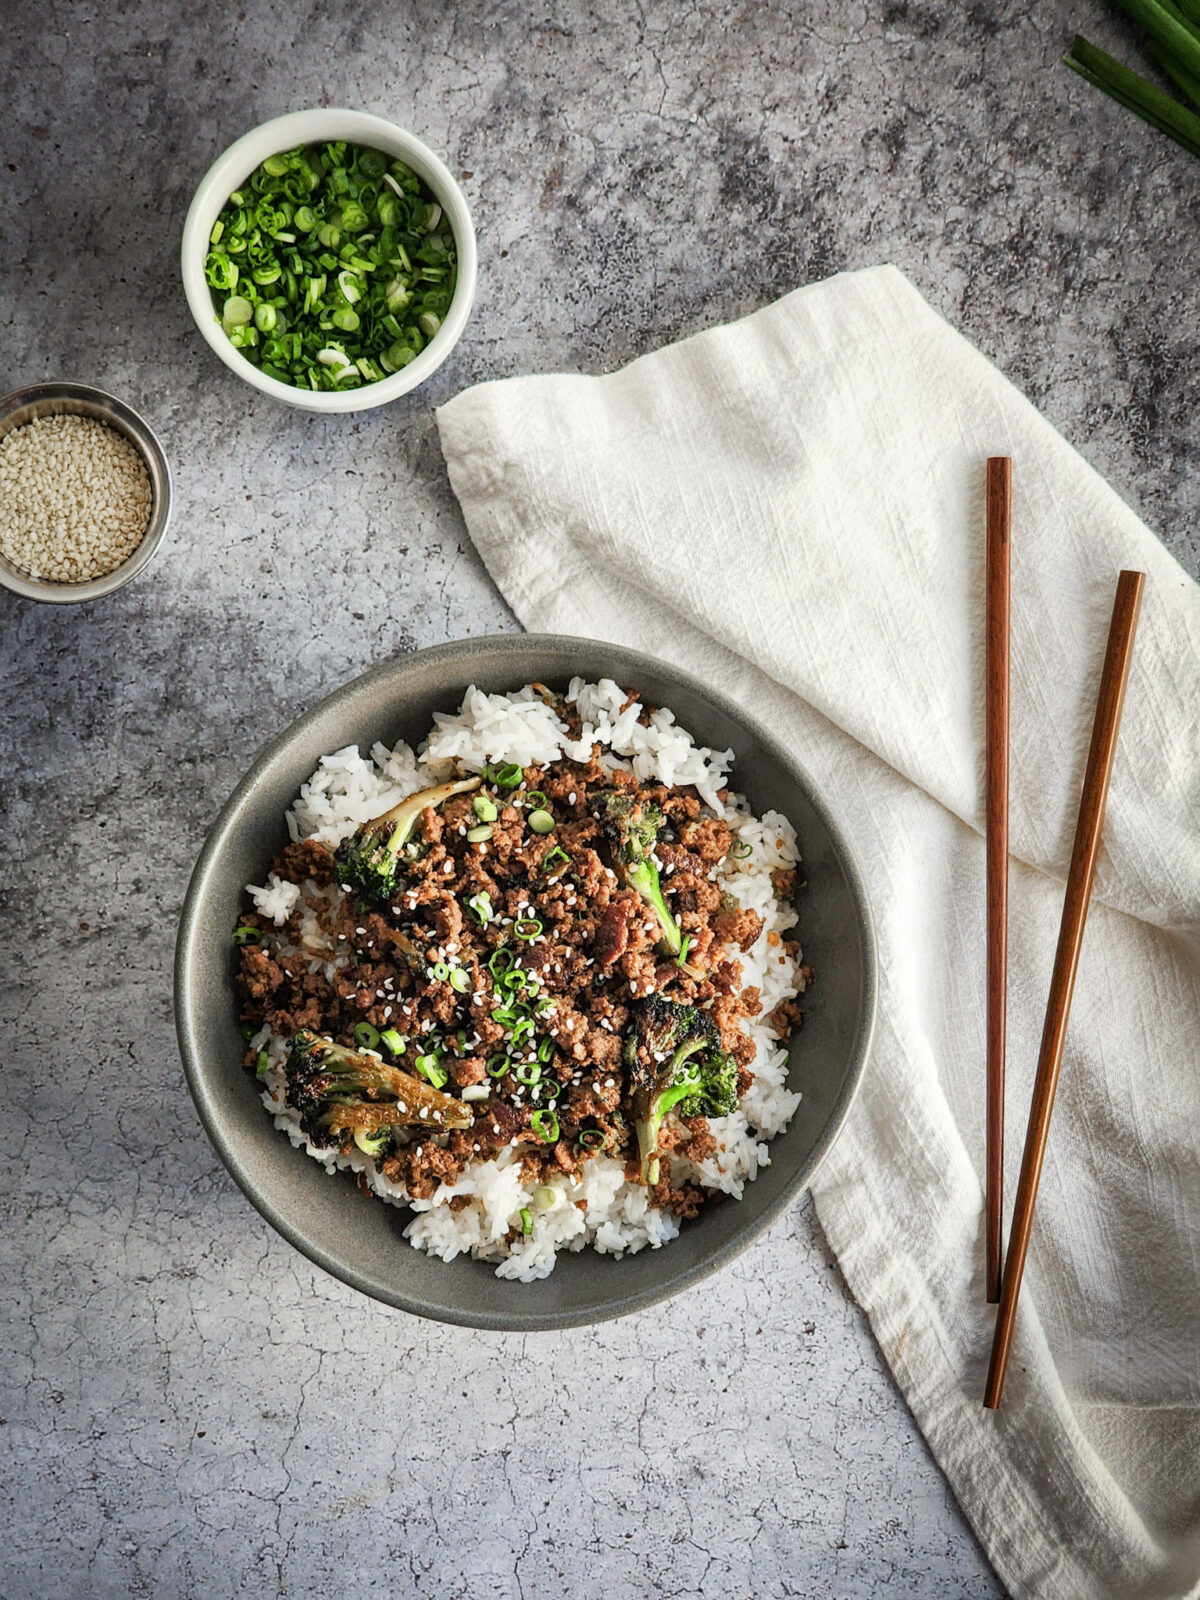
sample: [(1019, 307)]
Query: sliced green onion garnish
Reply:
[(548, 1197), (685, 945), (553, 856), (332, 236), (527, 1072), (247, 935), (541, 822), (481, 905), (500, 961), (535, 797), (545, 1125), (365, 1036), (508, 777), (484, 808), (546, 1049), (526, 1220), (548, 1089), (527, 928), (497, 1066), (394, 1041), (460, 979), (261, 1065), (741, 848), (591, 1139), (430, 1067), (480, 834)]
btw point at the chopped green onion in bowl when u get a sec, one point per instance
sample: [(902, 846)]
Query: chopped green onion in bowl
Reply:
[(331, 266)]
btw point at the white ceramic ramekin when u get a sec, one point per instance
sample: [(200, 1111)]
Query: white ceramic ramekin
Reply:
[(312, 127)]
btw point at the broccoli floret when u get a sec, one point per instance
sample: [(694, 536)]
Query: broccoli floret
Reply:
[(339, 1091), (633, 827), (369, 860), (716, 1094), (674, 1058)]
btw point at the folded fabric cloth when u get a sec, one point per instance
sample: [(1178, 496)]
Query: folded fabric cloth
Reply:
[(792, 508)]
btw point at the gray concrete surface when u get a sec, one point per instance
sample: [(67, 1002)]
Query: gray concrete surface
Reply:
[(188, 1408)]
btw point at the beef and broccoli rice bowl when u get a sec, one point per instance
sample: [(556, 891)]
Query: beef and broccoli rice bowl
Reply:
[(534, 980)]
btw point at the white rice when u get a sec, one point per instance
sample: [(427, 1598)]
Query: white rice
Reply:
[(347, 790)]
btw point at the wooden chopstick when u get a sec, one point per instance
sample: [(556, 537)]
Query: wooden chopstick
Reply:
[(1070, 937), (999, 524)]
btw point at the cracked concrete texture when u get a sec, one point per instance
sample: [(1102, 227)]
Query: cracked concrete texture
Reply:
[(189, 1408)]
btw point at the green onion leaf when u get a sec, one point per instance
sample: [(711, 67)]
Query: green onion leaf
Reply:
[(430, 1067), (365, 1036), (1145, 99), (481, 905), (395, 1041), (541, 822), (479, 835), (526, 1220), (247, 935), (545, 1126)]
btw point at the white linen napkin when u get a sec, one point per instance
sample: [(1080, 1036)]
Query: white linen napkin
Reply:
[(792, 508)]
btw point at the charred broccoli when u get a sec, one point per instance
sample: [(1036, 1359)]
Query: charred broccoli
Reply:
[(674, 1058), (369, 860), (339, 1091), (632, 827)]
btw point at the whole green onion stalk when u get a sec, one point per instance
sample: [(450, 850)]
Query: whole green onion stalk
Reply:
[(1174, 45)]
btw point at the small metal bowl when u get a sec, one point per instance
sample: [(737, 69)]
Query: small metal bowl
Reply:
[(81, 400)]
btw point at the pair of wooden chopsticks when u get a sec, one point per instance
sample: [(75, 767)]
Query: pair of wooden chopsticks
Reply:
[(1004, 1282)]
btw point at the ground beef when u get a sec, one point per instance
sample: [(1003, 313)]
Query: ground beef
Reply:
[(429, 967), (739, 926), (468, 1070), (786, 882), (302, 859), (785, 1018)]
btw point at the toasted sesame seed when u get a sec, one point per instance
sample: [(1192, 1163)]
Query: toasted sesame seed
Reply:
[(75, 498)]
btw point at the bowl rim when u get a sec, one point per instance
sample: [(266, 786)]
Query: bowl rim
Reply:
[(236, 163), (133, 427), (187, 956)]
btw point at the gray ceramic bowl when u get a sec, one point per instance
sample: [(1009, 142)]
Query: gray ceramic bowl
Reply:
[(359, 1240)]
